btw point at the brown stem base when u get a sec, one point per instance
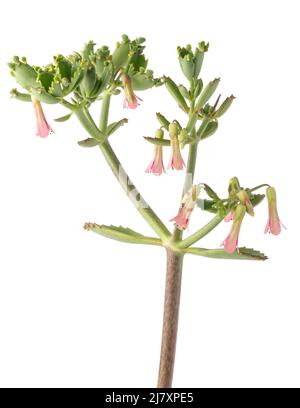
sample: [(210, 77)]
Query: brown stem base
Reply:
[(171, 315)]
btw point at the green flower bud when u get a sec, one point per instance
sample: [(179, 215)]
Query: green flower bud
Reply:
[(198, 88), (159, 134), (183, 137), (234, 187), (224, 107), (88, 82), (173, 130), (184, 92), (102, 58), (163, 121), (174, 91), (207, 93)]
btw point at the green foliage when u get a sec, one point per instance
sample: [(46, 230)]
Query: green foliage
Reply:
[(243, 254), (122, 234)]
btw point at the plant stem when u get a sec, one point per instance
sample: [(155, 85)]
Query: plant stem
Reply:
[(189, 179), (89, 125), (201, 233), (170, 322), (173, 290), (134, 195), (104, 113)]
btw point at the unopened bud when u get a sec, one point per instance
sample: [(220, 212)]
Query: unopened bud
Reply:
[(224, 107), (163, 121), (234, 187), (207, 93), (159, 134), (183, 136), (175, 92)]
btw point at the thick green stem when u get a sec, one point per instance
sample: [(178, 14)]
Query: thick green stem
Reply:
[(144, 209), (88, 124), (201, 233), (134, 195), (190, 169), (104, 113)]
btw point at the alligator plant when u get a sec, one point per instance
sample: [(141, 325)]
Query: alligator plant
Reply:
[(81, 79)]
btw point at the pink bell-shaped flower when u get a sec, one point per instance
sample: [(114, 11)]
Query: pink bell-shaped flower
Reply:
[(131, 100), (43, 128), (231, 242), (157, 166), (176, 161), (274, 224), (188, 204)]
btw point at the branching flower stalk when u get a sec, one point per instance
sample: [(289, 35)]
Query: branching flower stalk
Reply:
[(81, 79)]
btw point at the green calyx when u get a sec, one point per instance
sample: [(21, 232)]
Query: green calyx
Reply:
[(191, 61), (129, 57), (174, 130), (271, 195)]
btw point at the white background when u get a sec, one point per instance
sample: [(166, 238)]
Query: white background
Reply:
[(77, 310)]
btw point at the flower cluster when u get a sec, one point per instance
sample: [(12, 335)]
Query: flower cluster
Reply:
[(78, 80), (84, 77), (242, 205), (176, 161)]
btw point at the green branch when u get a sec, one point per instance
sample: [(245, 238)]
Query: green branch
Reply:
[(201, 233)]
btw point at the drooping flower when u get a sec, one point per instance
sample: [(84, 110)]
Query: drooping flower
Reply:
[(157, 166), (231, 242), (43, 128), (274, 224), (187, 206), (176, 161), (131, 100)]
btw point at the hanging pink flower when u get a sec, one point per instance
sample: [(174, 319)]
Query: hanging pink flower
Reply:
[(231, 242), (187, 206), (131, 100), (43, 128), (157, 166), (176, 161), (274, 224)]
